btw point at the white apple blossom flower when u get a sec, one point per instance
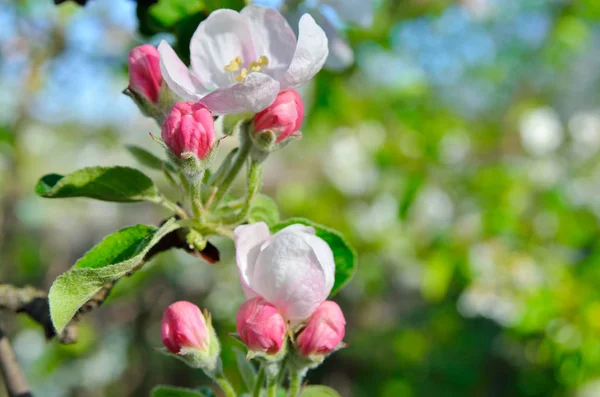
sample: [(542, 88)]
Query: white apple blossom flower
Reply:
[(241, 61), (293, 270)]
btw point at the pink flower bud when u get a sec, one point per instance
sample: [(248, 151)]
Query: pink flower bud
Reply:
[(183, 326), (324, 331), (283, 117), (145, 78), (260, 326), (189, 127)]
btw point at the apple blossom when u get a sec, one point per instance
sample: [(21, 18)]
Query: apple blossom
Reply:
[(241, 61), (283, 117), (260, 326), (324, 331), (189, 128), (293, 269)]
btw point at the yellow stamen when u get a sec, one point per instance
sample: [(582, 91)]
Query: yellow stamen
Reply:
[(255, 67), (263, 61), (242, 76), (234, 65)]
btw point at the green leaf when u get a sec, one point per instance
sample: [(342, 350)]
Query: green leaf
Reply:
[(119, 254), (120, 184), (149, 160), (246, 369), (319, 391), (343, 253), (167, 13), (206, 391), (264, 209), (170, 391)]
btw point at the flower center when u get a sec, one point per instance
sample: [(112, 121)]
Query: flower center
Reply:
[(254, 66)]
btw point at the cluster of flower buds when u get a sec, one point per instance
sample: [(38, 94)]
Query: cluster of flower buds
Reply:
[(286, 278), (188, 128)]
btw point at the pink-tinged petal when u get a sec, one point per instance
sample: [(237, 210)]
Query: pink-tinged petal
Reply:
[(321, 249), (288, 274), (325, 256), (248, 240), (310, 55), (272, 36), (177, 75), (252, 95), (218, 40)]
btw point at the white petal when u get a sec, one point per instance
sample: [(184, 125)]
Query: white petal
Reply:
[(272, 37), (177, 75), (310, 55), (289, 275), (248, 239), (252, 95), (356, 11), (325, 256), (219, 39), (297, 228)]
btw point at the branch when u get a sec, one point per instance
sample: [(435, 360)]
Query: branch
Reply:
[(15, 381), (34, 303)]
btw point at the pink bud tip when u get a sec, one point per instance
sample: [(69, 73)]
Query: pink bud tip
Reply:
[(324, 331), (189, 127), (145, 78), (283, 117), (183, 326), (260, 326)]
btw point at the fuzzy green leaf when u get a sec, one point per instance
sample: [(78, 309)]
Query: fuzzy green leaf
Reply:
[(343, 253), (264, 209), (170, 391), (149, 160), (319, 391), (120, 184), (119, 254)]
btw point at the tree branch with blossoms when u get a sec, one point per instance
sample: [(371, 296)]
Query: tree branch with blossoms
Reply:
[(244, 70)]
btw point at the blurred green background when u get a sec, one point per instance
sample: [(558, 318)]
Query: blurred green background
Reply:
[(458, 153)]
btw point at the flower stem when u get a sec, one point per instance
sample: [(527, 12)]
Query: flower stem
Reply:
[(272, 390), (165, 202), (295, 383), (240, 159), (225, 386), (258, 384), (196, 196), (254, 185)]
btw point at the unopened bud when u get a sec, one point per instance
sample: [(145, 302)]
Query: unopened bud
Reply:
[(324, 331), (187, 334), (261, 327), (145, 77), (274, 126), (189, 133)]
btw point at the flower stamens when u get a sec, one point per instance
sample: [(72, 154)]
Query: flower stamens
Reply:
[(242, 76), (254, 66), (234, 65)]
